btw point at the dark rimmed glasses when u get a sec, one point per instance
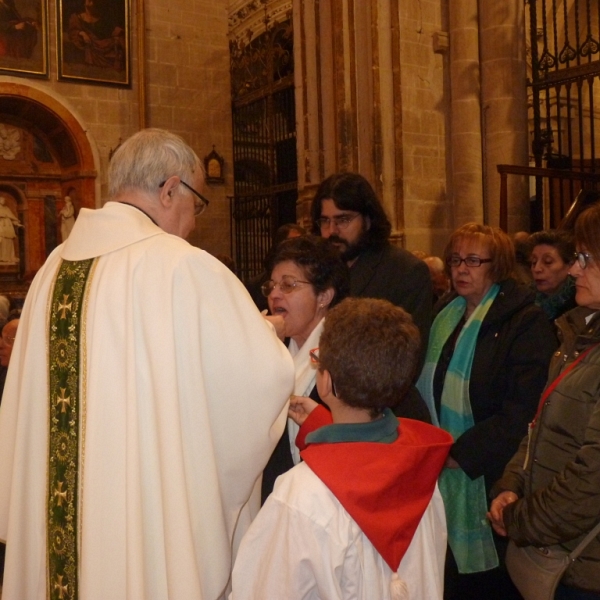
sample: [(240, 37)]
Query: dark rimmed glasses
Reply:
[(470, 261), (583, 259), (286, 285), (340, 222), (200, 202)]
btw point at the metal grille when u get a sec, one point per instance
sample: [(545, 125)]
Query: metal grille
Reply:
[(264, 144), (565, 87)]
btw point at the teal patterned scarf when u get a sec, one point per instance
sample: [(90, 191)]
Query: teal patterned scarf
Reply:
[(562, 300), (469, 533)]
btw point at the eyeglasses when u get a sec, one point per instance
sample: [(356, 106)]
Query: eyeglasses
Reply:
[(470, 261), (200, 202), (286, 285), (582, 258), (340, 222)]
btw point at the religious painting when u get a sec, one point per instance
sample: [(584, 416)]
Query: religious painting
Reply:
[(94, 41), (23, 38)]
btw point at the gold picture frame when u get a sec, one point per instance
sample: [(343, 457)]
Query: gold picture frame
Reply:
[(94, 40), (24, 38)]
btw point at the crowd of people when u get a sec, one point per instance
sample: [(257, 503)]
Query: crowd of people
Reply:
[(375, 425)]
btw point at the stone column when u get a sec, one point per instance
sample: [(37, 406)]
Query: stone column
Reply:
[(465, 112), (504, 99), (347, 95)]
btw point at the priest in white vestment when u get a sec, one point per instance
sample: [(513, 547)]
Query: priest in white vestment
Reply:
[(173, 395)]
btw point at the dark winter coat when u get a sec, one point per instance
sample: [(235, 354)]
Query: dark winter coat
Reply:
[(560, 488), (510, 368)]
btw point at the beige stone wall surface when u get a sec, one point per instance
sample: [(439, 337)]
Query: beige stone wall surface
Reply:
[(188, 91), (504, 99), (427, 204)]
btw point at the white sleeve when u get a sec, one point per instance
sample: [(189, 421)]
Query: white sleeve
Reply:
[(286, 554)]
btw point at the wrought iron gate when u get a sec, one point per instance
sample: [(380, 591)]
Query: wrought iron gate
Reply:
[(264, 143), (565, 87)]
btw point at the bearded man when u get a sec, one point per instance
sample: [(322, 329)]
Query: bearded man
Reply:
[(347, 212)]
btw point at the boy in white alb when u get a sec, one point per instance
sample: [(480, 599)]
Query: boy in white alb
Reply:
[(361, 518)]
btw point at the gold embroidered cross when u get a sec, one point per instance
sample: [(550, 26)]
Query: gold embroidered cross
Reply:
[(63, 590), (60, 494), (64, 306), (63, 401)]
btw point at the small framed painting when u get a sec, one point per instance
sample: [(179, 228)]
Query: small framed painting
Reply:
[(24, 38), (213, 166), (93, 38)]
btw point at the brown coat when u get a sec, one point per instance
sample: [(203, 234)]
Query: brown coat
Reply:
[(560, 488)]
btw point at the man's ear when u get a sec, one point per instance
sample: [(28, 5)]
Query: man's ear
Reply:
[(167, 191)]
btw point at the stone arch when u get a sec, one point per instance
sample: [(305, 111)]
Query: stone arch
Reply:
[(45, 154)]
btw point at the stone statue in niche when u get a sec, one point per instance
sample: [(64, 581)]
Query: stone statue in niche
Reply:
[(8, 222), (10, 142), (67, 218)]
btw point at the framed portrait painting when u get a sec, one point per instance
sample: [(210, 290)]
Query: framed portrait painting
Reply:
[(24, 38), (93, 38)]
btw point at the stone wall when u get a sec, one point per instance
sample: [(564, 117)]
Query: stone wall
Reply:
[(428, 205)]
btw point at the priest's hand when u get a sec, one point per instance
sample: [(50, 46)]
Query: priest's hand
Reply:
[(278, 323)]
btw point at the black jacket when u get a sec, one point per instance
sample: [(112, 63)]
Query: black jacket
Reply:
[(396, 275), (510, 368)]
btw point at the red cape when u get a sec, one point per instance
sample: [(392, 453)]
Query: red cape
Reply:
[(385, 488)]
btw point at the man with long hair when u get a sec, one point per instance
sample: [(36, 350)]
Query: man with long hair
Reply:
[(348, 213)]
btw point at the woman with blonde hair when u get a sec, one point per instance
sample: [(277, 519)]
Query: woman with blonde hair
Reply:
[(485, 368)]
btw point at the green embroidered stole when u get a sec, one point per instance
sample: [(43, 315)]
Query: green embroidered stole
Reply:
[(66, 354)]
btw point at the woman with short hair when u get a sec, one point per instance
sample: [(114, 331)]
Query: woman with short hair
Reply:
[(308, 278), (485, 368), (551, 257)]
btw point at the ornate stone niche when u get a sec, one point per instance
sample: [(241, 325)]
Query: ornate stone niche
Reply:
[(44, 156)]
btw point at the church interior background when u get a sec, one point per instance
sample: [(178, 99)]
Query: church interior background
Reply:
[(426, 98)]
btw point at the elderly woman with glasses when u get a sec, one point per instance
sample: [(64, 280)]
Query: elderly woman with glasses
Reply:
[(486, 364), (307, 279), (549, 494)]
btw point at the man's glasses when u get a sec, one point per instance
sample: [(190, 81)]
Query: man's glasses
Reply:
[(200, 202), (583, 258), (470, 261), (340, 222), (286, 285)]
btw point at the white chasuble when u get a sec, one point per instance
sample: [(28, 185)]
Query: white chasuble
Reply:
[(185, 389)]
